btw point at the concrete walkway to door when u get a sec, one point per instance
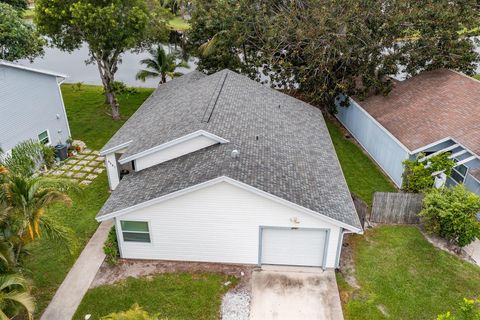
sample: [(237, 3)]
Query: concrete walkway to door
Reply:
[(294, 293), (78, 280)]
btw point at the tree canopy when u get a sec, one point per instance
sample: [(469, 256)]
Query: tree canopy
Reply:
[(324, 48), (16, 4), (110, 28), (18, 38)]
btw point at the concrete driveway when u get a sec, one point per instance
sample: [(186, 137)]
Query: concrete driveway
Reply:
[(294, 293)]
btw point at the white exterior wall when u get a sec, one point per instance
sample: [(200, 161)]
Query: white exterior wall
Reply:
[(174, 151), (382, 146), (112, 170), (219, 223), (29, 104)]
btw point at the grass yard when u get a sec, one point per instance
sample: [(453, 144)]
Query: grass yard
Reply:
[(173, 295), (90, 119), (49, 262), (402, 276), (362, 175), (178, 24)]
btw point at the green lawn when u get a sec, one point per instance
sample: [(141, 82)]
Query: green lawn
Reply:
[(90, 119), (48, 263), (178, 24), (174, 296), (362, 175), (401, 273)]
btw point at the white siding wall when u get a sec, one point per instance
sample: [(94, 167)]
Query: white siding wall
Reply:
[(173, 152), (29, 104), (219, 223), (384, 149)]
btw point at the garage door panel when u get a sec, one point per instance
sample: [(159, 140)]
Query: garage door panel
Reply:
[(286, 246)]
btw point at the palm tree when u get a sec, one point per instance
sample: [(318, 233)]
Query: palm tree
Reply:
[(26, 199), (161, 64), (14, 293)]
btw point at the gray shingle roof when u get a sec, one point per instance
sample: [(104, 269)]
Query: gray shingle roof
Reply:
[(293, 157)]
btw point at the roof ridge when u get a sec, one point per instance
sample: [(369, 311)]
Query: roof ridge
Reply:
[(213, 100)]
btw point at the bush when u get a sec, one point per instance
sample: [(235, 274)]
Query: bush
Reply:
[(28, 156), (451, 214), (469, 310), (110, 247), (135, 313), (417, 176), (120, 87)]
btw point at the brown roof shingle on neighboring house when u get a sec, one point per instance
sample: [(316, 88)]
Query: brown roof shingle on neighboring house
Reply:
[(429, 107), (475, 173)]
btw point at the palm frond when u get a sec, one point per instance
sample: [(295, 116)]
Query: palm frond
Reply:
[(209, 47), (24, 298), (58, 232), (144, 74)]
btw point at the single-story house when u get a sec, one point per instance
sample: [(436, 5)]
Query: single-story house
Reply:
[(220, 168), (433, 112), (31, 106)]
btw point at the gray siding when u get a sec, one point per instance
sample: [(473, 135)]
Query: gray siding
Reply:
[(29, 104), (381, 146)]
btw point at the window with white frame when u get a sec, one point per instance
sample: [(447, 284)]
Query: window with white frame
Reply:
[(44, 137), (135, 231), (459, 173)]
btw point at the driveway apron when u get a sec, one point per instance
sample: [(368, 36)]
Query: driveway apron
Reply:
[(295, 293)]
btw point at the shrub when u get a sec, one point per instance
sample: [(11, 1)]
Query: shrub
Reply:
[(110, 247), (417, 176), (451, 213), (469, 310), (135, 313), (27, 156), (120, 87)]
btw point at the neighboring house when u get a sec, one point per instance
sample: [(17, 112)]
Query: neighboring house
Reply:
[(223, 169), (434, 112), (31, 106)]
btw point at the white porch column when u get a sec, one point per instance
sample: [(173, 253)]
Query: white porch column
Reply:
[(112, 170)]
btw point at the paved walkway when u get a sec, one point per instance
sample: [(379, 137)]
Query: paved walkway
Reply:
[(285, 293), (78, 280), (473, 250)]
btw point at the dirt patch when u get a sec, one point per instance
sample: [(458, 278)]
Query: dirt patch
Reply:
[(141, 268), (347, 263)]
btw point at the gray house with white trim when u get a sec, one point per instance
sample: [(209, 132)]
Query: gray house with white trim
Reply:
[(434, 112), (31, 106), (220, 168)]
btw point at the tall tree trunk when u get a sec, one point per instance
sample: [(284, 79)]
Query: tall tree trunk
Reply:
[(107, 68)]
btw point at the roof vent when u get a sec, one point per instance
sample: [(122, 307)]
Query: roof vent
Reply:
[(235, 154)]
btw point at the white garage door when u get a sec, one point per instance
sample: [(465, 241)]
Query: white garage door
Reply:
[(298, 247)]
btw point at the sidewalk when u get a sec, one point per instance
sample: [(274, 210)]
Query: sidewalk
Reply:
[(78, 280)]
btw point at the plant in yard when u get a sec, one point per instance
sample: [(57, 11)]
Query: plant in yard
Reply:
[(451, 213), (110, 247), (27, 199), (27, 156), (469, 310), (18, 38), (135, 313), (417, 175), (110, 28), (161, 65), (15, 297)]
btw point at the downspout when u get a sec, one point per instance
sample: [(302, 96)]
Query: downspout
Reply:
[(339, 247)]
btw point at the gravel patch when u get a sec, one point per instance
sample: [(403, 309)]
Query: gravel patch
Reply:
[(236, 305)]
